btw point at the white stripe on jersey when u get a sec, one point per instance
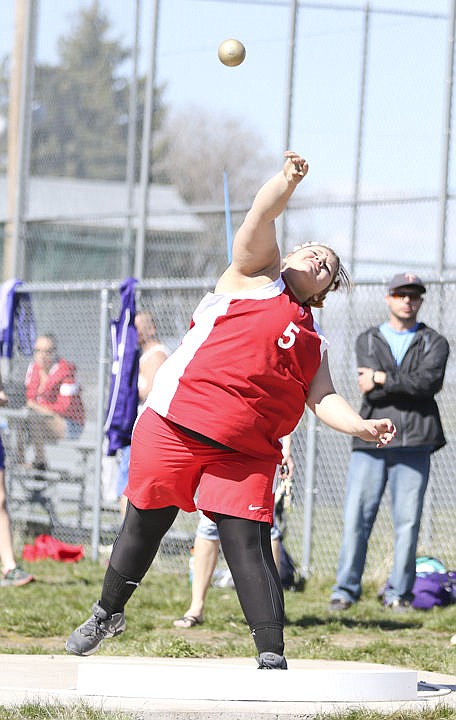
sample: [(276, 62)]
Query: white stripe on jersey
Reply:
[(209, 309), (324, 344)]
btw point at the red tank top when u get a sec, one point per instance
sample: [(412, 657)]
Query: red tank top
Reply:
[(242, 372)]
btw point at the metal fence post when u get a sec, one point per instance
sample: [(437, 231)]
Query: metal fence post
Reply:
[(103, 360), (146, 172), (281, 221), (309, 482), (446, 142), (131, 148), (19, 137), (360, 138)]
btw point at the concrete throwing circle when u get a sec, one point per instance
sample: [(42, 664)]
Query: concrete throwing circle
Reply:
[(180, 679)]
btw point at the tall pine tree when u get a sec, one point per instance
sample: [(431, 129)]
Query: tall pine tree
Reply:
[(81, 105)]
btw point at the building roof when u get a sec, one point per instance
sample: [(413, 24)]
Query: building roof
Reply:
[(101, 203)]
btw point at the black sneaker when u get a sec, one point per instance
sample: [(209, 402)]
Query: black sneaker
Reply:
[(339, 605), (86, 639), (271, 661)]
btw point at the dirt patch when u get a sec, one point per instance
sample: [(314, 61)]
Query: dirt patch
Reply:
[(353, 640)]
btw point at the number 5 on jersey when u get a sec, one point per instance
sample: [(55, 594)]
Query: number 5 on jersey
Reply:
[(289, 334)]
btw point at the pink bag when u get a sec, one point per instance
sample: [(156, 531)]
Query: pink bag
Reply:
[(46, 546)]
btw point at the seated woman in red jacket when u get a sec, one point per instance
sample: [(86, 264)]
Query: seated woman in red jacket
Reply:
[(54, 396)]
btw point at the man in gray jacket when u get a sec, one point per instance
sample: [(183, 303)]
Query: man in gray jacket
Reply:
[(401, 366)]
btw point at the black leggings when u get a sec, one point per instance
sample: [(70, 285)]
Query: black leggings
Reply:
[(139, 539), (246, 545)]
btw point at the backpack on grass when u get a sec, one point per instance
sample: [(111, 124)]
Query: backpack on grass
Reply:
[(435, 586), (434, 589)]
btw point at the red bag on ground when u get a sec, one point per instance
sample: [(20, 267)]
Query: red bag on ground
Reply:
[(46, 546)]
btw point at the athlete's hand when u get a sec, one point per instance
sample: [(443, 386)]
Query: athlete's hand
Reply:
[(380, 431), (295, 167), (286, 469)]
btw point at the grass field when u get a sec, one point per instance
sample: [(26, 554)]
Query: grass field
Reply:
[(37, 618), (83, 712)]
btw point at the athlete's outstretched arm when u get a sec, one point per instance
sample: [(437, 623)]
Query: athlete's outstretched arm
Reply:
[(255, 249), (334, 411)]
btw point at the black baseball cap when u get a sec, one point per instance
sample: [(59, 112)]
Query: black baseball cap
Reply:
[(406, 280)]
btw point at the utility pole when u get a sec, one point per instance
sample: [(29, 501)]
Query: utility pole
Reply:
[(19, 134)]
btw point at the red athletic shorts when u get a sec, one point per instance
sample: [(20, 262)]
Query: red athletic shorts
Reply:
[(167, 466)]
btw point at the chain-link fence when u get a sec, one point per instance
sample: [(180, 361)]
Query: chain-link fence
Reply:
[(74, 497), (361, 96), (89, 194)]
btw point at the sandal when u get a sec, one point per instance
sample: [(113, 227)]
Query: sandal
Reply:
[(187, 621)]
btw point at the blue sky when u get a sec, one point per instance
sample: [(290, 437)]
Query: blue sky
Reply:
[(405, 88)]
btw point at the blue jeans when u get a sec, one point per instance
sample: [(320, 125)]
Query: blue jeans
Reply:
[(407, 471), (122, 476), (207, 529)]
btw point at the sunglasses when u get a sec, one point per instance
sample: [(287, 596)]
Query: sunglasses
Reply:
[(411, 296)]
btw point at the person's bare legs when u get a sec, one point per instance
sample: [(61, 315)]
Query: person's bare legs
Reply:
[(11, 574), (6, 539), (122, 506), (44, 429), (21, 442), (205, 559), (275, 544)]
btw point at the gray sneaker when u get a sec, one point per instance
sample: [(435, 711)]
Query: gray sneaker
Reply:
[(15, 578), (86, 639), (339, 604), (271, 661)]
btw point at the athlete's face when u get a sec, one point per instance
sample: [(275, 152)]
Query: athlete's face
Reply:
[(310, 270)]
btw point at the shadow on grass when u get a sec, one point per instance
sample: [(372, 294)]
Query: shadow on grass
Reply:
[(388, 624), (54, 582)]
